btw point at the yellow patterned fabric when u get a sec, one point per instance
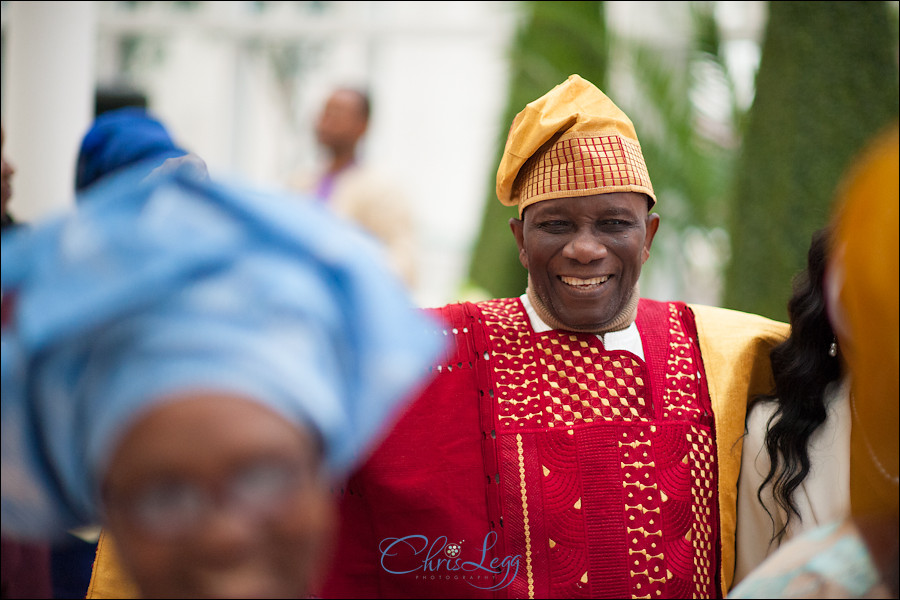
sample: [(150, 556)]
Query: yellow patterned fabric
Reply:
[(735, 348), (573, 141)]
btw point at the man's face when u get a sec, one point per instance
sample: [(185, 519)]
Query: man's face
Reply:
[(342, 121), (215, 496), (584, 255)]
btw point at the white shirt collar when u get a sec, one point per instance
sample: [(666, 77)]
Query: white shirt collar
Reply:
[(627, 339)]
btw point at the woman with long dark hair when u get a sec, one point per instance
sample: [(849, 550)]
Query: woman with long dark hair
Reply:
[(856, 553), (795, 461)]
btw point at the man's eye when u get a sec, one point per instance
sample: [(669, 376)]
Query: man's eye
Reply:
[(553, 226), (614, 224)]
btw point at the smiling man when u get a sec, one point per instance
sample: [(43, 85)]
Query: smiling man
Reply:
[(584, 257), (577, 441)]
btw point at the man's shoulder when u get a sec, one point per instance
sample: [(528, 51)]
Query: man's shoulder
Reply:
[(731, 325), (477, 307), (720, 331), (468, 317), (736, 340)]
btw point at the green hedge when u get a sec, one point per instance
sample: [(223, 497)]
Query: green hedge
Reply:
[(827, 82)]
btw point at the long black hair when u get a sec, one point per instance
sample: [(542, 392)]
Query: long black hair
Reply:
[(802, 367)]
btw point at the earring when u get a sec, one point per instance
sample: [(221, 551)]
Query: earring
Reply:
[(832, 350)]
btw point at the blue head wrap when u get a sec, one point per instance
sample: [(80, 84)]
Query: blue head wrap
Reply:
[(175, 284), (121, 138)]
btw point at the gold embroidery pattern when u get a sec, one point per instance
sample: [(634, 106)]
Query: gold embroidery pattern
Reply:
[(585, 162), (701, 452), (642, 514), (525, 516), (682, 378), (513, 364), (681, 401), (557, 382), (572, 369), (576, 371)]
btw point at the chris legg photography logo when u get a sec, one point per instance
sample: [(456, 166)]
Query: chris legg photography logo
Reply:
[(442, 560)]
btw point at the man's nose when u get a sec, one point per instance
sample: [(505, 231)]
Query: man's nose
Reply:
[(585, 247)]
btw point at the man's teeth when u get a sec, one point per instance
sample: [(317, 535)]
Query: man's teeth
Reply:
[(577, 281)]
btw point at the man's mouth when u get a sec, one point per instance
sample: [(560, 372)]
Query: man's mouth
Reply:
[(583, 284)]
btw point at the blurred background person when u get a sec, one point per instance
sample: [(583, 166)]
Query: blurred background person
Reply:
[(122, 137), (194, 365), (857, 556), (795, 460), (7, 170), (119, 138), (356, 190)]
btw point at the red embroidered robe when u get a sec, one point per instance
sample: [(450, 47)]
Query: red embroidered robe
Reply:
[(542, 465)]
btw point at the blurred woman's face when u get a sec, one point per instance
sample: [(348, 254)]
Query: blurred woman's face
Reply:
[(216, 496)]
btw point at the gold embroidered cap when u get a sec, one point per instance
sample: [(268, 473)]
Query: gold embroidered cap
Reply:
[(572, 141)]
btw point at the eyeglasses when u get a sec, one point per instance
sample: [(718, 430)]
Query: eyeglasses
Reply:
[(173, 508)]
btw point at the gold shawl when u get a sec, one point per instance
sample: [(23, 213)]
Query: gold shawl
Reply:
[(735, 348)]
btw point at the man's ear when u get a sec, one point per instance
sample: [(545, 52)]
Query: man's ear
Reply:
[(652, 228), (518, 228)]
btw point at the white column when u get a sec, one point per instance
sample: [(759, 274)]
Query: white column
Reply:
[(48, 102)]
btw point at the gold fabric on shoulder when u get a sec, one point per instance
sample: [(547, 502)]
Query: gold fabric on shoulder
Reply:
[(735, 348), (108, 578)]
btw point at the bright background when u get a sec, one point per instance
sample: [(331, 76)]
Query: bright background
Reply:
[(240, 84)]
